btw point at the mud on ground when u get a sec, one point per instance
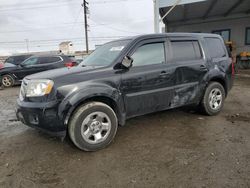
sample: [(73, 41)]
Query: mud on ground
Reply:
[(176, 148)]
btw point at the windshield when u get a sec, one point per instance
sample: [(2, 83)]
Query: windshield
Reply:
[(10, 60), (16, 59), (105, 54)]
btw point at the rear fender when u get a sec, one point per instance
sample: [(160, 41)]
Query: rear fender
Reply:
[(213, 75)]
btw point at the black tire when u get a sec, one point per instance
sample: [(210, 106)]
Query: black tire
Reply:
[(205, 103), (76, 124), (9, 83)]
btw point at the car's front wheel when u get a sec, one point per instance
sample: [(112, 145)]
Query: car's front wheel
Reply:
[(93, 126), (213, 99), (7, 80)]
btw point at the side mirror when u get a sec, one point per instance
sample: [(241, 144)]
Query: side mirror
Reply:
[(127, 61)]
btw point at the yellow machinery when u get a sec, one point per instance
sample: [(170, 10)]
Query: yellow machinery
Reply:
[(243, 60)]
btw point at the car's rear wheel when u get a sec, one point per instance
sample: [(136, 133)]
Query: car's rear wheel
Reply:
[(93, 126), (7, 80), (213, 99)]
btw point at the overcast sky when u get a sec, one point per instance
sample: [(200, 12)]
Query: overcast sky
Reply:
[(46, 23)]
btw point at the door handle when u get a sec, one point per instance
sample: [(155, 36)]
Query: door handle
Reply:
[(164, 74), (203, 68)]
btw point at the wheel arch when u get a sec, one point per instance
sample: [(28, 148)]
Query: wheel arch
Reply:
[(221, 81), (114, 102)]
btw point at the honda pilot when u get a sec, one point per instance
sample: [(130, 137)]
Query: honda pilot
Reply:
[(127, 78)]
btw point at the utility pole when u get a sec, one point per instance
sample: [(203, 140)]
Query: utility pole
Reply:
[(27, 45), (85, 3), (156, 16)]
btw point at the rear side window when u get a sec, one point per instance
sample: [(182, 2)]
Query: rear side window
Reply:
[(215, 47), (31, 61), (53, 59), (186, 50)]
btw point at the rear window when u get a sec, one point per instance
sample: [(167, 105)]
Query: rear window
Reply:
[(186, 50), (215, 47)]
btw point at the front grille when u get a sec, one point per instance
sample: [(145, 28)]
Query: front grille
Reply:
[(23, 90)]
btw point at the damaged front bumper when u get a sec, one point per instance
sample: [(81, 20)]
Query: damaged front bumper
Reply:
[(42, 116)]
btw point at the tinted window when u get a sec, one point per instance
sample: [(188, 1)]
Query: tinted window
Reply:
[(31, 61), (248, 36), (53, 59), (21, 58), (149, 54), (186, 50), (9, 60), (43, 60), (17, 59), (215, 47)]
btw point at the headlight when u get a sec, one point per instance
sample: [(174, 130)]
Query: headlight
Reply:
[(38, 88)]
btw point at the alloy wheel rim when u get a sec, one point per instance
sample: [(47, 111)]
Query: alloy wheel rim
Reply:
[(215, 99), (6, 81), (96, 127)]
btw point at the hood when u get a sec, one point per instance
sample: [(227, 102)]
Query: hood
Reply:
[(8, 69), (69, 75), (7, 65)]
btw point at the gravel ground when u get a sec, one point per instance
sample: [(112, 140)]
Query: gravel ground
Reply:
[(176, 148)]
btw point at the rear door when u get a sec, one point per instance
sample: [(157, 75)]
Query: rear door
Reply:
[(147, 85), (189, 59), (51, 62)]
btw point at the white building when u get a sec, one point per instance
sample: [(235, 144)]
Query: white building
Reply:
[(66, 48)]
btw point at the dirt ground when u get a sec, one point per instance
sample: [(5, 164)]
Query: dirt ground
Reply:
[(176, 148)]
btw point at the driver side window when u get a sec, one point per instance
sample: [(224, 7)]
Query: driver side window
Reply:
[(30, 61), (149, 54)]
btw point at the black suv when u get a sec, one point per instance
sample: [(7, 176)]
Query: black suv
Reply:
[(127, 78), (12, 75)]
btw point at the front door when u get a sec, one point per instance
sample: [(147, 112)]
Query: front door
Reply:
[(148, 85), (29, 66)]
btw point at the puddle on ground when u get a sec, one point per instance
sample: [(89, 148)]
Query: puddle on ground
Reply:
[(238, 117)]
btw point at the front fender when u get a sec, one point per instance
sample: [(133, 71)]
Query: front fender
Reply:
[(71, 102)]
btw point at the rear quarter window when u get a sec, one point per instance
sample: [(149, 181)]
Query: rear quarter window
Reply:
[(186, 50), (215, 47), (46, 60), (55, 59)]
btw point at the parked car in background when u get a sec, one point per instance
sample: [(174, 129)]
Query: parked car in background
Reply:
[(11, 75), (127, 78), (17, 59)]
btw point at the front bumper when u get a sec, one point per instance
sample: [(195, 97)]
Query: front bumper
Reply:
[(42, 116)]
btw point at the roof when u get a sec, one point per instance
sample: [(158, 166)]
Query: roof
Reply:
[(177, 34), (207, 9)]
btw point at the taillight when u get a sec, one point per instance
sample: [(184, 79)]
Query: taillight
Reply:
[(1, 65), (70, 64)]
